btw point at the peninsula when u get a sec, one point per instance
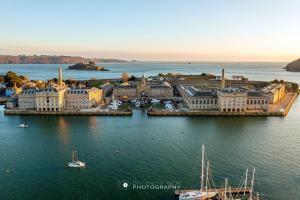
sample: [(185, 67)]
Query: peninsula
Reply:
[(293, 66), (162, 95), (90, 66), (48, 59)]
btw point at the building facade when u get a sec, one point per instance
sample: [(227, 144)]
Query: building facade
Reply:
[(257, 101), (199, 100), (27, 99), (223, 100), (232, 100), (274, 91), (58, 97), (143, 89), (82, 98), (51, 99)]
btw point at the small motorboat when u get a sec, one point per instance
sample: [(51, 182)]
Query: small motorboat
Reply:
[(23, 125), (76, 163)]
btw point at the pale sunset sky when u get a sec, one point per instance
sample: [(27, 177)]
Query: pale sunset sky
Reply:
[(153, 30)]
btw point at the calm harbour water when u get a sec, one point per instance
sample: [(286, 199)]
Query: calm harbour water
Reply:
[(155, 149)]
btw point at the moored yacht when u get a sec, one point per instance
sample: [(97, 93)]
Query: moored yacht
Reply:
[(197, 195), (23, 125), (155, 101), (137, 103), (76, 163)]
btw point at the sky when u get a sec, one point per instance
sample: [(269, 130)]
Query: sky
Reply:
[(154, 30)]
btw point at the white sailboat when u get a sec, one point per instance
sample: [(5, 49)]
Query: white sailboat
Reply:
[(202, 193), (76, 163), (23, 125), (207, 192)]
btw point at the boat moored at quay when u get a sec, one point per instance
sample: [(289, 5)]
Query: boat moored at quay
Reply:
[(209, 191)]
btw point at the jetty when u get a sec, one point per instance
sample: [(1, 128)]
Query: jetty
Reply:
[(221, 191)]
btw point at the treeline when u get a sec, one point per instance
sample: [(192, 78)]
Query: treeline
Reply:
[(11, 78)]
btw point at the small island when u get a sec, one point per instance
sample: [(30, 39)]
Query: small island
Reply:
[(91, 66), (293, 66)]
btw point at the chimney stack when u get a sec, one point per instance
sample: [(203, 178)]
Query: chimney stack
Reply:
[(223, 79), (60, 77)]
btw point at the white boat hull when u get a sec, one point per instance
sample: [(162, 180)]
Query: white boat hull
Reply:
[(76, 164), (196, 195)]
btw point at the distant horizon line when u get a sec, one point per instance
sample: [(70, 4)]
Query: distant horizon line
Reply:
[(163, 60)]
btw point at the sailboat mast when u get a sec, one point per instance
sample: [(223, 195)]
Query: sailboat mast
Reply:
[(246, 180), (230, 193), (225, 189), (206, 184), (202, 169), (252, 184), (73, 156)]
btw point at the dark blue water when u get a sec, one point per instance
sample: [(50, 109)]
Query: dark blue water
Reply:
[(154, 149)]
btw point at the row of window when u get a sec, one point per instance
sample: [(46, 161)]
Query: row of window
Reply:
[(233, 110), (215, 101), (257, 101), (47, 109), (205, 101)]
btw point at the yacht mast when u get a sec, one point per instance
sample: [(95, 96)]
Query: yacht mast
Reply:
[(230, 193), (206, 184), (225, 189), (252, 184), (202, 169), (246, 180)]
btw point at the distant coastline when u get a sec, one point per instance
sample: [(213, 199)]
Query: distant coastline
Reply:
[(48, 59)]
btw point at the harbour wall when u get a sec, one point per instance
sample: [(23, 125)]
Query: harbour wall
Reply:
[(34, 112), (213, 113), (287, 109)]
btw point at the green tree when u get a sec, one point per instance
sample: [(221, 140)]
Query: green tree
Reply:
[(132, 78)]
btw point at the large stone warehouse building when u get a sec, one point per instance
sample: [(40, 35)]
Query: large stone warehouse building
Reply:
[(58, 97)]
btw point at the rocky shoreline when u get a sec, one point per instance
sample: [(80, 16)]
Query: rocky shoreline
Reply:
[(293, 66)]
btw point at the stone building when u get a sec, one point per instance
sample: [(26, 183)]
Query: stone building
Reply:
[(199, 100), (164, 91), (82, 98), (257, 101), (274, 91), (27, 99), (232, 100), (58, 97), (106, 89), (222, 98), (143, 89), (51, 98)]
